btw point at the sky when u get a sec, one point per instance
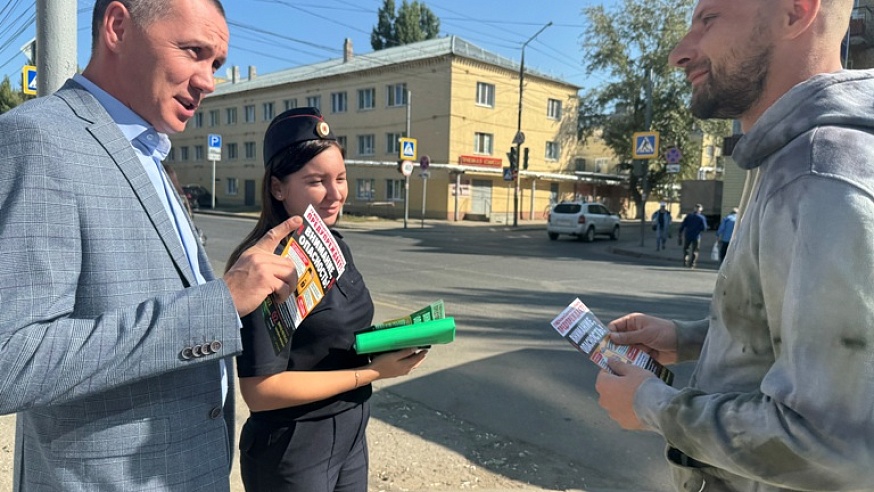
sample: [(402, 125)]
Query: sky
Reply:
[(277, 34)]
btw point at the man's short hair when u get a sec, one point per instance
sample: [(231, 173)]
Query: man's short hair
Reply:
[(143, 13)]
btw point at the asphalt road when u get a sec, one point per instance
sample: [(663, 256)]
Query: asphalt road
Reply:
[(508, 373)]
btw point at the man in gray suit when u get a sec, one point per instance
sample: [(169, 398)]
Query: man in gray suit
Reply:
[(113, 329)]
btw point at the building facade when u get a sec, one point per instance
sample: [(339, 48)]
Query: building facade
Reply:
[(461, 104)]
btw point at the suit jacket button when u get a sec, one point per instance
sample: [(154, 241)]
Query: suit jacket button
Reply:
[(186, 353), (215, 413), (205, 349), (215, 346), (195, 351)]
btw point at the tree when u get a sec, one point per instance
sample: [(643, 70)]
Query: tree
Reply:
[(627, 43), (413, 22), (9, 98)]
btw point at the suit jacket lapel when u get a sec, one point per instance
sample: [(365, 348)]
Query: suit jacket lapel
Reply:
[(120, 150)]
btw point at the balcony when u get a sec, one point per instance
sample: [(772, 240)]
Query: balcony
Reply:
[(862, 27)]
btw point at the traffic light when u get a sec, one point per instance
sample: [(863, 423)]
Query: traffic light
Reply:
[(525, 159), (513, 157)]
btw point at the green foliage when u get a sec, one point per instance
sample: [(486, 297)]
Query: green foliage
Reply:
[(413, 22), (10, 98), (626, 42)]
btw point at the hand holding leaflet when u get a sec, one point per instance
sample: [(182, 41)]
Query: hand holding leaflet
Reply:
[(582, 329), (319, 263)]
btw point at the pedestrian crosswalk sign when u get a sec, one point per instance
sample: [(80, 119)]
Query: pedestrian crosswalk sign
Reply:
[(645, 145), (408, 149), (28, 80)]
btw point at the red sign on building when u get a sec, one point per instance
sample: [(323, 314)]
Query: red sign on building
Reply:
[(480, 160)]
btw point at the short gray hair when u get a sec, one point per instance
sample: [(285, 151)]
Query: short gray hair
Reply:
[(142, 12)]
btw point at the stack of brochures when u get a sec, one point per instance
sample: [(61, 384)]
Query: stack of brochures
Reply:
[(421, 329)]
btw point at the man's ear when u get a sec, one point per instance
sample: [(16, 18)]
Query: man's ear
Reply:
[(798, 16), (116, 24)]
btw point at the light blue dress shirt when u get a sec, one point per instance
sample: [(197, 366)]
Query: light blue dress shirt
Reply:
[(152, 148)]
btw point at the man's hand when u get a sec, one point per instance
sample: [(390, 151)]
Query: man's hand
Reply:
[(655, 336), (617, 392), (260, 272)]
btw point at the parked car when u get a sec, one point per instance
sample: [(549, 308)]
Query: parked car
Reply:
[(198, 196), (583, 220)]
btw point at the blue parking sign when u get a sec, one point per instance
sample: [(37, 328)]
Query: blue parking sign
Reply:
[(214, 147)]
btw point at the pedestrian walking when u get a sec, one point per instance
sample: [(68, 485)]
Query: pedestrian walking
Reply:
[(724, 233), (693, 225), (661, 224)]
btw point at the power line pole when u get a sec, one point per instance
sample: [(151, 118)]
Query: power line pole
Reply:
[(409, 94), (644, 164), (519, 139), (55, 44)]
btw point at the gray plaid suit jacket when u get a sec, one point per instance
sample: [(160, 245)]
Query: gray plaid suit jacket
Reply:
[(109, 350)]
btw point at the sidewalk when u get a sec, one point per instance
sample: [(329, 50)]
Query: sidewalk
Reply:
[(629, 245)]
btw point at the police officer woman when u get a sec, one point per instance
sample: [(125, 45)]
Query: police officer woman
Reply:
[(309, 403)]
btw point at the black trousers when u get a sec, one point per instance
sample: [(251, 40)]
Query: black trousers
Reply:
[(325, 455)]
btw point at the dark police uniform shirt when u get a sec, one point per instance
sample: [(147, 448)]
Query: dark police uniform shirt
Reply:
[(322, 342)]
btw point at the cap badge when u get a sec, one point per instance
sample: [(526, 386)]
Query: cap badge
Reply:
[(323, 129)]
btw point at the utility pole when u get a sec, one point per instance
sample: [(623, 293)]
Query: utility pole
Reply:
[(519, 139), (55, 44), (644, 164), (407, 178)]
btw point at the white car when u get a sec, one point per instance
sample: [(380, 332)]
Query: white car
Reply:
[(583, 220)]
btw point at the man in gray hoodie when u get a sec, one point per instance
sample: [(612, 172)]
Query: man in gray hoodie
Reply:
[(782, 397)]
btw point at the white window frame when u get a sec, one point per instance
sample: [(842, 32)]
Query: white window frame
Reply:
[(198, 119), (553, 151), (183, 153), (396, 95), (553, 109), (198, 152), (251, 150), (367, 144), (366, 99), (365, 189), (339, 102), (214, 117), (290, 103), (392, 143), (268, 110), (394, 190), (249, 113), (231, 186), (233, 151), (315, 102), (485, 94), (231, 116), (483, 143)]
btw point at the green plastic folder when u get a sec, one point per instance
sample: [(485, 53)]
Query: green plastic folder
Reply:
[(421, 334)]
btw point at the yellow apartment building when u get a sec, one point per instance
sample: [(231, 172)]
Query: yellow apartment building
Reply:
[(462, 105)]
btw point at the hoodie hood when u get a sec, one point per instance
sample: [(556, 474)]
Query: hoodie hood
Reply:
[(844, 98)]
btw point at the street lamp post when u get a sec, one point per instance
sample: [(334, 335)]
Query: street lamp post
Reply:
[(519, 138)]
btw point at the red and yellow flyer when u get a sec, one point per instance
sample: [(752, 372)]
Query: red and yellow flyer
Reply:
[(579, 326)]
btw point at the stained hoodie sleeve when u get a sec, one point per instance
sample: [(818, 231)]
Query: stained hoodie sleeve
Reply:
[(809, 424), (690, 338)]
